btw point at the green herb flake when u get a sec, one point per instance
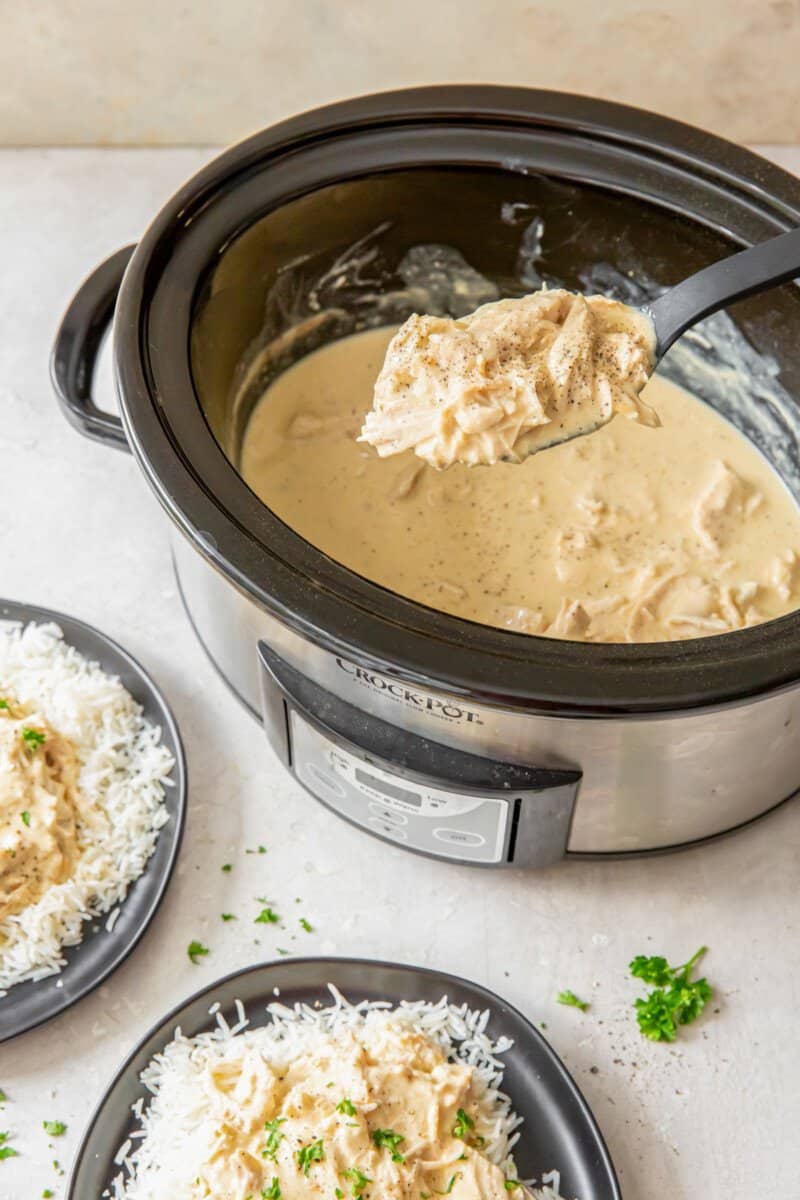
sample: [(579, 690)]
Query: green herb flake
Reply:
[(283, 952), (26, 818), (226, 867), (309, 928), (33, 738), (54, 1128), (7, 1151), (197, 950), (357, 1180), (389, 1140), (346, 1107), (5, 705), (274, 1138), (47, 1194), (511, 1185), (267, 916), (338, 1193), (676, 998), (273, 1192), (228, 917), (3, 1096), (450, 1185), (463, 1124), (572, 1001), (308, 1155)]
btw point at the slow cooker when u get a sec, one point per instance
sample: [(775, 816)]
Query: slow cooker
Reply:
[(446, 737)]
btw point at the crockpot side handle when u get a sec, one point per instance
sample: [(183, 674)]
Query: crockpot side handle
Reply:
[(76, 348)]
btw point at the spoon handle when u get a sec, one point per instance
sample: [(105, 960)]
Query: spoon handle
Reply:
[(743, 274)]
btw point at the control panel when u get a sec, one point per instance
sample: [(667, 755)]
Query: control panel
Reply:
[(411, 790), (419, 815)]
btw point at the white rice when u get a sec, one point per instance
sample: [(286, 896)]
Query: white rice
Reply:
[(123, 770), (176, 1130)]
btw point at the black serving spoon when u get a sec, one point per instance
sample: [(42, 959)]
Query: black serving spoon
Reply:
[(715, 287)]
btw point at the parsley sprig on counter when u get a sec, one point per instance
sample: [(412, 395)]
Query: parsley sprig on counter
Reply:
[(54, 1128), (676, 998), (196, 950), (6, 1151), (571, 1000)]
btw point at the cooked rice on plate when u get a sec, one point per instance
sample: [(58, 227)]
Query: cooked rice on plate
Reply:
[(369, 1101), (104, 797)]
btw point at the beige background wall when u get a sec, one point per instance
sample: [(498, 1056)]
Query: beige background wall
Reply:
[(209, 71)]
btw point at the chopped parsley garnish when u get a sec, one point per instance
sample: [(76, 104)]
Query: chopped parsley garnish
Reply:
[(3, 1096), (226, 867), (54, 1128), (676, 998), (267, 916), (569, 998), (389, 1140), (196, 950), (273, 1192), (33, 738), (260, 850), (5, 705), (346, 1107), (308, 1155), (7, 1151), (26, 818), (228, 916), (464, 1123), (46, 1194), (309, 928), (282, 951), (338, 1193), (511, 1185), (357, 1180), (274, 1137)]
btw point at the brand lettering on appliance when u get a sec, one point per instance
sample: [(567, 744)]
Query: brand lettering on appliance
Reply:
[(406, 695)]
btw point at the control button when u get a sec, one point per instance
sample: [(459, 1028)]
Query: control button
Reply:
[(387, 814), (388, 830), (459, 837), (322, 779)]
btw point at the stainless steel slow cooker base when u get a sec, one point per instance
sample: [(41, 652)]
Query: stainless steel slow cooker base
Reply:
[(626, 785)]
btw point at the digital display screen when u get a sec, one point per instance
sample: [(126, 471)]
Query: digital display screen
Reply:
[(388, 789)]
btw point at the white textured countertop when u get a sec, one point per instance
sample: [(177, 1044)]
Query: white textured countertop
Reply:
[(714, 1116)]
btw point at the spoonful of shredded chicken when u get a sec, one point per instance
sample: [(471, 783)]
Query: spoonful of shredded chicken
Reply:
[(520, 375), (512, 378)]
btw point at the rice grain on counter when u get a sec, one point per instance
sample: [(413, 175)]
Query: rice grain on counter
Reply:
[(310, 1104), (123, 768)]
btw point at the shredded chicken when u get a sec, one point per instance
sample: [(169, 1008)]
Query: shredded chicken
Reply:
[(514, 377)]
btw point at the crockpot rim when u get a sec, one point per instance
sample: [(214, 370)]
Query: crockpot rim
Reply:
[(438, 649)]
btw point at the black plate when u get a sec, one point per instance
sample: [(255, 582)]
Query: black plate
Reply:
[(100, 953), (559, 1131)]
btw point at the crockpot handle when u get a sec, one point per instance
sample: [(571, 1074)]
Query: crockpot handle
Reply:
[(76, 348)]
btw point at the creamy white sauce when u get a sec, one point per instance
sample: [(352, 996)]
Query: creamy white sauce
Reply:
[(632, 534)]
